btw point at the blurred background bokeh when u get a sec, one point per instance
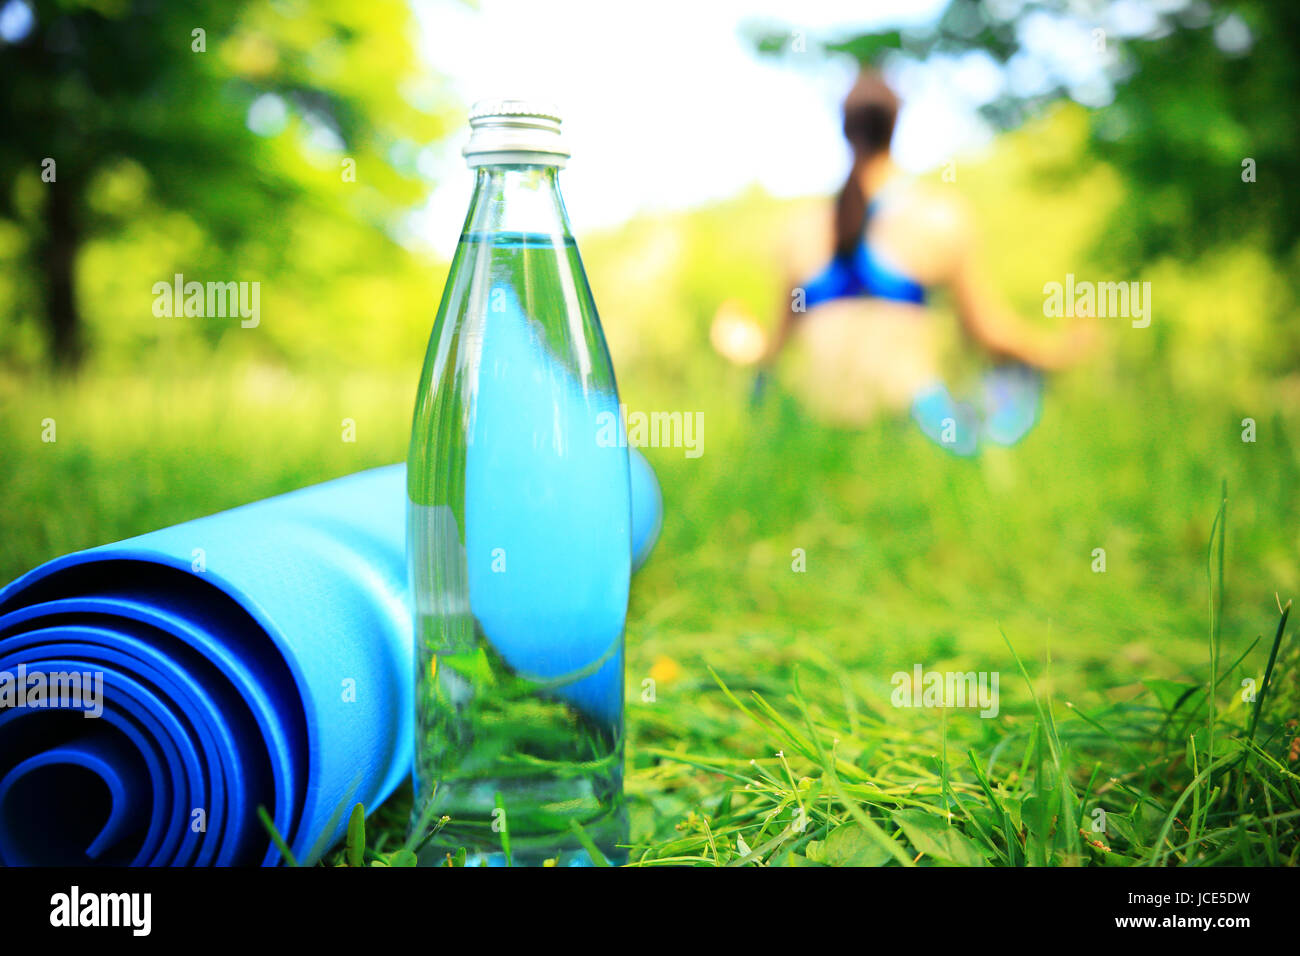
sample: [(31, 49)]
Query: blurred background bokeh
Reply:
[(312, 147)]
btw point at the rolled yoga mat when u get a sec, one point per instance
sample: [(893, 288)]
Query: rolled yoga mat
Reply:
[(257, 657)]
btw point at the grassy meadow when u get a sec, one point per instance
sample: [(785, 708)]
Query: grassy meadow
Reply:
[(770, 737)]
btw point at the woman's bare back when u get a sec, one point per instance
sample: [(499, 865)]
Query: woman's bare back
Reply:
[(855, 357)]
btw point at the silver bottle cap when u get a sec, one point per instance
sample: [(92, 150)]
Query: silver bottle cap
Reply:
[(514, 131)]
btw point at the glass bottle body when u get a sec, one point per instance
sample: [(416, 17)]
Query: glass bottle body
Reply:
[(518, 539)]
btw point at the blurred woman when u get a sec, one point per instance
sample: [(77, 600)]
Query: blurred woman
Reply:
[(860, 277)]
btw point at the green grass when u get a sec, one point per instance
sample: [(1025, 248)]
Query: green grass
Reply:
[(779, 745), (770, 737)]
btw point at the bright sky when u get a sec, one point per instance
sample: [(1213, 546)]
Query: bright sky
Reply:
[(666, 105)]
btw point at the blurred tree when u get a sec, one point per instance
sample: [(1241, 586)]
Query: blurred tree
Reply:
[(236, 114), (1192, 102)]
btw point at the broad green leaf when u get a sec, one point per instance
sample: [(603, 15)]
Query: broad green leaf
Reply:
[(1170, 694), (934, 837), (848, 845)]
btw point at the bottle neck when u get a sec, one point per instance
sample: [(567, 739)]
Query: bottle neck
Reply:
[(521, 199)]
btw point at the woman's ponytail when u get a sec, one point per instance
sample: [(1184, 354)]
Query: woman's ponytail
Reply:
[(870, 110), (850, 211)]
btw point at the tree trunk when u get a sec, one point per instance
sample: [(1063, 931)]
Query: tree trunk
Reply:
[(58, 263)]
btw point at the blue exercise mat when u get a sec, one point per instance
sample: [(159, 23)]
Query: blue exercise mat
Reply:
[(257, 657)]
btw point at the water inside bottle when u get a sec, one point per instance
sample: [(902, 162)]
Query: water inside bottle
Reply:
[(524, 559)]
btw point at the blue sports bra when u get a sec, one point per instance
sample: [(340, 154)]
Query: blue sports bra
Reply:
[(863, 273)]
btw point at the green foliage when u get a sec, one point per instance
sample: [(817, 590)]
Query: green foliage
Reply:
[(161, 169), (1199, 131)]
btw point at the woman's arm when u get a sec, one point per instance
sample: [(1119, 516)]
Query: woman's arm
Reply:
[(994, 325), (786, 319), (807, 247)]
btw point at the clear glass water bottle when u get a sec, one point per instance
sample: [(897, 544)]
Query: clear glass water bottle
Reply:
[(518, 528)]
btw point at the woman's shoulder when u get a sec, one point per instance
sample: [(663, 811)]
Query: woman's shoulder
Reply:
[(938, 206), (926, 227)]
